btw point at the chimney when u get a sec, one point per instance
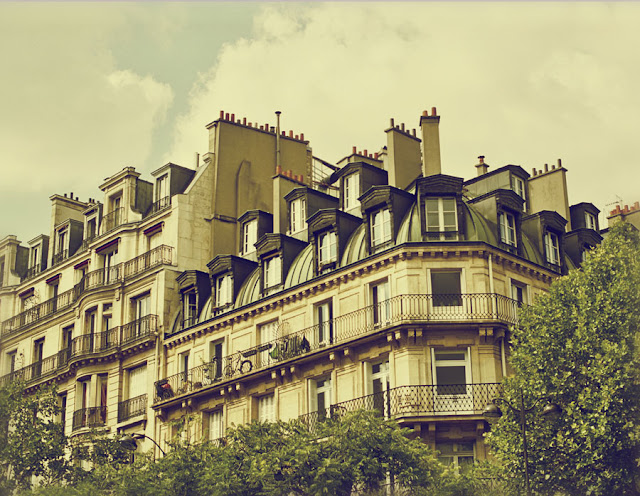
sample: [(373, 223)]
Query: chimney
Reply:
[(429, 125), (196, 159), (481, 166)]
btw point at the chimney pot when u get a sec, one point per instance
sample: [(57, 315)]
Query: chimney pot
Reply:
[(636, 206), (244, 121), (272, 129), (301, 136), (261, 127), (233, 117), (297, 136), (433, 112), (250, 124), (559, 163), (425, 113), (392, 122), (546, 167), (413, 131), (402, 126), (266, 126), (353, 150), (290, 133), (278, 169), (481, 158), (222, 114), (376, 155), (226, 116), (625, 210), (65, 195), (553, 167), (365, 153)]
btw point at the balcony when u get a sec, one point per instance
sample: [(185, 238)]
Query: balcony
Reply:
[(59, 257), (405, 402), (161, 255), (87, 241), (159, 206), (415, 309), (132, 407), (112, 220), (33, 272), (89, 418)]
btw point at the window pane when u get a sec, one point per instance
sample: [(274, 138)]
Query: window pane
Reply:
[(445, 287), (451, 375)]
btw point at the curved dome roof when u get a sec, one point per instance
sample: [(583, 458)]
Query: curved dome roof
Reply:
[(355, 248), (250, 290), (301, 269)]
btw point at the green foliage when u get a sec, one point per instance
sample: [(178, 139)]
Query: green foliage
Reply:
[(32, 444), (577, 347)]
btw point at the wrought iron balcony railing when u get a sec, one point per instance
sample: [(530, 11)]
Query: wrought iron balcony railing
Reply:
[(112, 220), (33, 271), (160, 255), (132, 407), (87, 241), (59, 257), (89, 417), (415, 401), (402, 309), (159, 206)]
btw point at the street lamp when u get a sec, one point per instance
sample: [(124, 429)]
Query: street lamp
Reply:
[(492, 412), (129, 443)]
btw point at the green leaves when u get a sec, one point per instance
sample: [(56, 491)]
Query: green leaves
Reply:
[(577, 347)]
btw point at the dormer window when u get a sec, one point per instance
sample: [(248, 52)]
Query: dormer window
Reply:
[(272, 272), (249, 236), (190, 310), (380, 227), (508, 229), (298, 215), (441, 218), (552, 248), (327, 248), (590, 221), (351, 191), (162, 187), (35, 259), (224, 290), (517, 185)]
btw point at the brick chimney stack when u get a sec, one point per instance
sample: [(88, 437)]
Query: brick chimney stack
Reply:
[(430, 127)]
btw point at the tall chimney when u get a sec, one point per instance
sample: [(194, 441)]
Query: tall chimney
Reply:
[(429, 125), (481, 166)]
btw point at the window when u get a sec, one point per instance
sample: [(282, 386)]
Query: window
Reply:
[(190, 302), (183, 365), (53, 294), (451, 373), (38, 355), (327, 247), (266, 334), (91, 229), (519, 292), (106, 317), (320, 397), (272, 272), (351, 191), (380, 386), (508, 229), (266, 408), (137, 382), (590, 221), (11, 361), (380, 303), (62, 403), (90, 317), (224, 290), (446, 288), (249, 236), (162, 187), (459, 454), (67, 338), (552, 248), (216, 425), (140, 309), (324, 323), (109, 264), (517, 185), (35, 259), (380, 227), (214, 371), (441, 218), (62, 242), (298, 215)]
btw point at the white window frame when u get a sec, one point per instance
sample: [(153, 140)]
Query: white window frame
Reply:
[(272, 272), (162, 187), (137, 381), (327, 247), (380, 296), (215, 424), (380, 227), (552, 248), (517, 285), (508, 234), (224, 290), (249, 236), (440, 205), (445, 396), (323, 315), (325, 390), (267, 333), (456, 454), (351, 190), (298, 214), (517, 184), (590, 221)]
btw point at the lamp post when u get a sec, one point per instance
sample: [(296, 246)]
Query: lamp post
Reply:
[(493, 412), (129, 443)]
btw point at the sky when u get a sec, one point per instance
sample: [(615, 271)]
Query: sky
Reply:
[(89, 88)]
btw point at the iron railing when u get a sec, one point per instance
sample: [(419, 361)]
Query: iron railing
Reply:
[(402, 309), (33, 271), (160, 205), (132, 407), (87, 241), (59, 257), (86, 345), (95, 279), (415, 401), (89, 417), (112, 220)]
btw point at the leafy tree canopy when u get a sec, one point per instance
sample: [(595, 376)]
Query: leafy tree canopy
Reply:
[(577, 346)]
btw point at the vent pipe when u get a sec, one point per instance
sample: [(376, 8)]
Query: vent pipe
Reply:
[(278, 164)]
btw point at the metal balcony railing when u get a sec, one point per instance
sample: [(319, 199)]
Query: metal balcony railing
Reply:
[(160, 255), (415, 401), (33, 271), (139, 329), (112, 220), (89, 417), (159, 206), (87, 241), (132, 407), (59, 257), (402, 309)]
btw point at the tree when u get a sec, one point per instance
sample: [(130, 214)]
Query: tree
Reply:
[(577, 346), (32, 443)]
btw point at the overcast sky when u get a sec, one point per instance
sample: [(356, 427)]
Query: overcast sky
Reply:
[(89, 88)]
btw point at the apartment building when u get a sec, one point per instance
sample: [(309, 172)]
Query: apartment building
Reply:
[(269, 284)]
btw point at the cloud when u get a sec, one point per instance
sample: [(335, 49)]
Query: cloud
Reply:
[(519, 83), (79, 116)]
